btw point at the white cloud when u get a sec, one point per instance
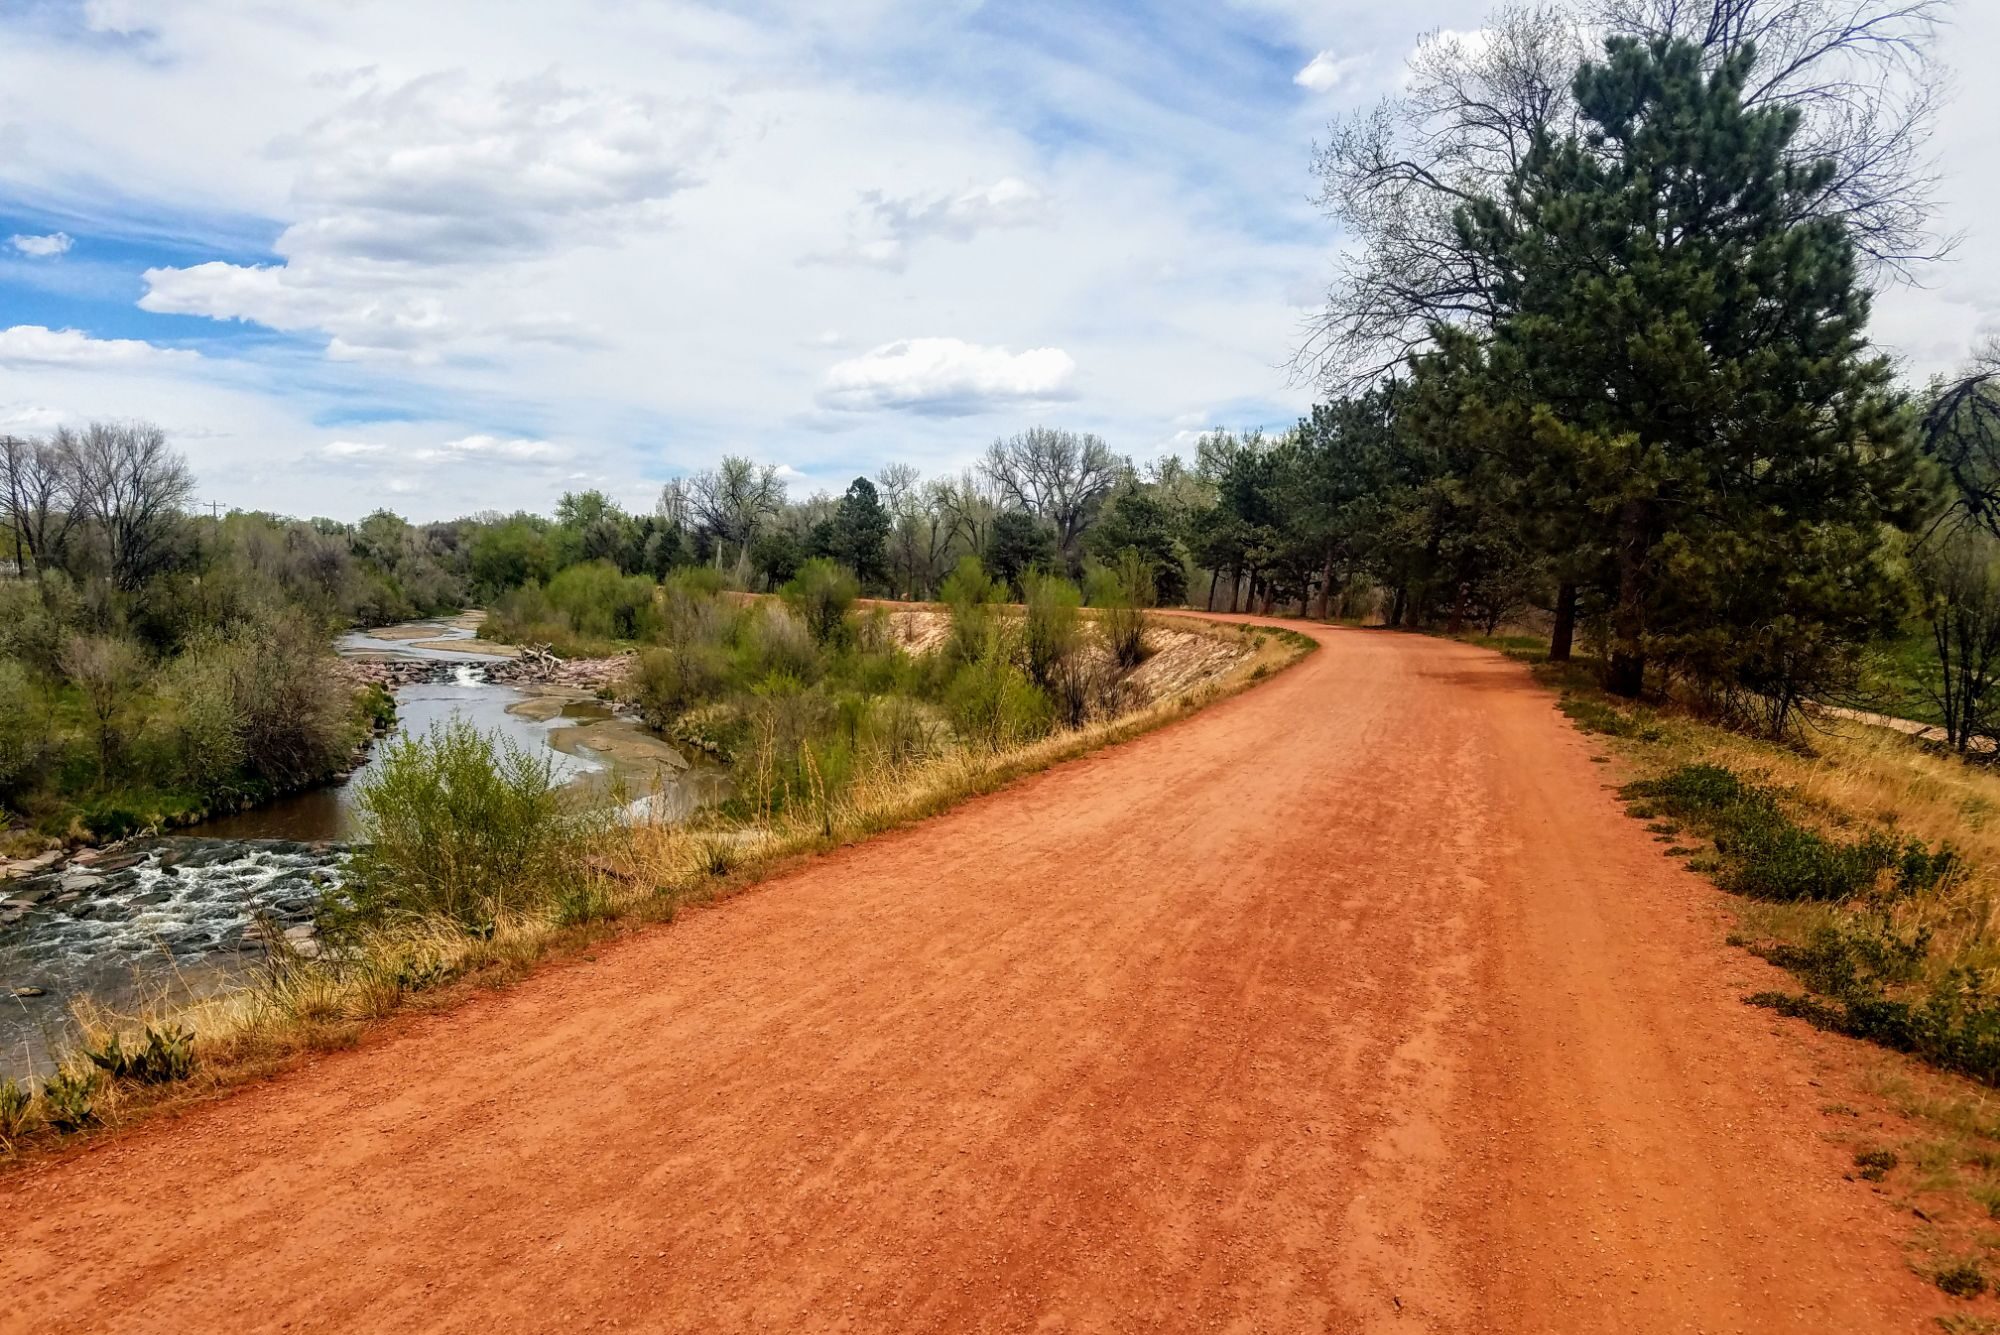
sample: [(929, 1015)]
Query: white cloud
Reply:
[(494, 447), (946, 377), (42, 247), (1326, 72), (352, 449), (38, 345), (443, 170), (407, 191)]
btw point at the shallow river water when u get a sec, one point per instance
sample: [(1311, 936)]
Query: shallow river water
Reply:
[(174, 916)]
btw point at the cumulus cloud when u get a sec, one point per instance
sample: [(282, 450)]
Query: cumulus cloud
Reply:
[(892, 223), (42, 247), (945, 377), (38, 345), (441, 170), (407, 193), (1325, 72)]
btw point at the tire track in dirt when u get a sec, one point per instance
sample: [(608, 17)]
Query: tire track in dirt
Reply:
[(1352, 1003)]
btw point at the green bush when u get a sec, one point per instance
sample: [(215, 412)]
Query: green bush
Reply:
[(598, 602), (24, 730), (970, 594), (1767, 855), (992, 703), (1123, 592), (464, 826), (666, 683), (771, 642), (1050, 632), (822, 594)]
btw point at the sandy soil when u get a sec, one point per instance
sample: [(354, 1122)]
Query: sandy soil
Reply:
[(1353, 1003)]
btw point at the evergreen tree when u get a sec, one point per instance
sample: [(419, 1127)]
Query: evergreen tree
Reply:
[(1681, 371), (859, 534)]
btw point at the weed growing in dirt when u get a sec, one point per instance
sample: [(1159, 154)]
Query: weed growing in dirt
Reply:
[(69, 1100), (15, 1103), (1961, 1279), (1875, 1164), (162, 1056)]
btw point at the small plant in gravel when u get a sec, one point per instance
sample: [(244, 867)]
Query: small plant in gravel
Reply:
[(1875, 1164), (14, 1105), (69, 1100), (1961, 1279), (166, 1055)]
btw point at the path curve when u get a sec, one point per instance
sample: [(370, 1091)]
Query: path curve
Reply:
[(1352, 1003)]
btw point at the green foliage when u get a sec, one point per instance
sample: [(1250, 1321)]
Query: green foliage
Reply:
[(16, 1104), (1138, 521), (467, 827), (1016, 544), (1123, 592), (1875, 1164), (1961, 1279), (69, 1100), (24, 730), (1051, 635), (992, 702), (1734, 540), (859, 539), (970, 594), (1767, 855), (166, 1055), (666, 683), (821, 595)]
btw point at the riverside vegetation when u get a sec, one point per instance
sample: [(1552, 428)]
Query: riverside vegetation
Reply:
[(474, 861)]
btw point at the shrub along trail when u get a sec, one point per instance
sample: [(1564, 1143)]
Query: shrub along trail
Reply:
[(1353, 1003)]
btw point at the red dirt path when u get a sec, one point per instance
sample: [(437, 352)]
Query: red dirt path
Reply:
[(1350, 1004)]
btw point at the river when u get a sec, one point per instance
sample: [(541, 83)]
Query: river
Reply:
[(177, 916)]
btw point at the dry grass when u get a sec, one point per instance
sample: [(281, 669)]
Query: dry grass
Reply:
[(648, 875), (1844, 779)]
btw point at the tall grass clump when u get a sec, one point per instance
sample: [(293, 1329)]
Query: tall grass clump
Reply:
[(466, 827)]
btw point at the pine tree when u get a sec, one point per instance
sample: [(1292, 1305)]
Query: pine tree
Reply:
[(858, 536), (1682, 369)]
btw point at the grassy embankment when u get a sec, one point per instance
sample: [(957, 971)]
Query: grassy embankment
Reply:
[(482, 910), (1867, 865)]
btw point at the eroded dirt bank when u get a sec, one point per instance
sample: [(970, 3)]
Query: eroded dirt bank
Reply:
[(1352, 1003)]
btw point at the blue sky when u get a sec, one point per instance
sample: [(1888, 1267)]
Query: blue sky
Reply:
[(465, 255)]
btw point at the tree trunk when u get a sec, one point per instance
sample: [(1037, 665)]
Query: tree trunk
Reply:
[(1399, 605), (1457, 623), (1627, 673), (1325, 587), (1564, 634), (1235, 580), (1213, 575)]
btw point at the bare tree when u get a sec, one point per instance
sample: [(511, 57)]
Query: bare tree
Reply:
[(1961, 430), (965, 509), (733, 502), (1860, 72), (1958, 573), (1058, 476), (39, 479), (134, 488)]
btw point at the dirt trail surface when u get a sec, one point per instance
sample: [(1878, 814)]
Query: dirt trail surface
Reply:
[(1350, 1004)]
